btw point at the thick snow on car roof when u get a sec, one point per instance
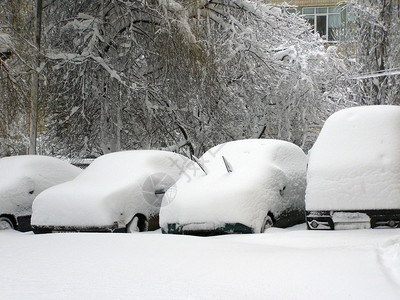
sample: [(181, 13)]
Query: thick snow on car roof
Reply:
[(25, 176), (355, 162), (253, 151), (37, 166), (261, 168), (109, 190)]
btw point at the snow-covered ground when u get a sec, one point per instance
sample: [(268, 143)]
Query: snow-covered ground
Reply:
[(288, 263)]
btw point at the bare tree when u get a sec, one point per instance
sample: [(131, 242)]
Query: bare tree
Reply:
[(376, 39), (181, 75), (35, 79), (15, 70)]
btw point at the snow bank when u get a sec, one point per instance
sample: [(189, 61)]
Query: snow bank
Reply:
[(24, 177), (261, 170), (355, 162), (111, 189)]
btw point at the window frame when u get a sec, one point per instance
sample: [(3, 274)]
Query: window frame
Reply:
[(328, 11)]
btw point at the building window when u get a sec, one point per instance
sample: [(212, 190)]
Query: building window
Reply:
[(325, 20)]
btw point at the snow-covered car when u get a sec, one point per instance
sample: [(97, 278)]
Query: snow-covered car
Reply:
[(117, 192), (22, 179), (353, 178), (242, 186)]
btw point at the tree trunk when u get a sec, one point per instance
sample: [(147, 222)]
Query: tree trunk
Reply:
[(35, 80)]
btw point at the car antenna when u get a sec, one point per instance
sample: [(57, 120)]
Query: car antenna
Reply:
[(227, 165), (201, 165)]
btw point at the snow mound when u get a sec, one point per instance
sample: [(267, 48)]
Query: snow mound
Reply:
[(355, 162), (111, 190), (238, 182), (24, 177)]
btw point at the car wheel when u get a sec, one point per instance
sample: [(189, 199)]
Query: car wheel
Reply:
[(268, 222), (137, 224), (6, 223)]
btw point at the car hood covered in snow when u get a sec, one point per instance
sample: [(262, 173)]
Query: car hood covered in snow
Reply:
[(266, 175), (24, 177), (112, 189)]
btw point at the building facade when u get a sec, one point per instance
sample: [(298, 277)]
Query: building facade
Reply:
[(327, 16)]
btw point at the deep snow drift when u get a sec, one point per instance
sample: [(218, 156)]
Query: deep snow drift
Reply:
[(292, 263)]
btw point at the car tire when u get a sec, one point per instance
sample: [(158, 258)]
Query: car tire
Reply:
[(267, 223), (6, 223), (137, 224)]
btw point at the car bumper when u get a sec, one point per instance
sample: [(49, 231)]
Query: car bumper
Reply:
[(38, 229), (206, 229), (354, 219)]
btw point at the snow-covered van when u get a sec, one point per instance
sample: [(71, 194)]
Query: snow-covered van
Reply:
[(242, 186), (22, 179), (353, 177)]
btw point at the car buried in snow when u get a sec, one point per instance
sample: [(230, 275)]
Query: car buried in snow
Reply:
[(241, 186), (22, 179), (353, 177), (117, 192)]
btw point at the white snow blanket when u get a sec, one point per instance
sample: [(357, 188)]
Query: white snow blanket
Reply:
[(262, 170), (24, 177), (291, 263), (355, 162), (112, 189)]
